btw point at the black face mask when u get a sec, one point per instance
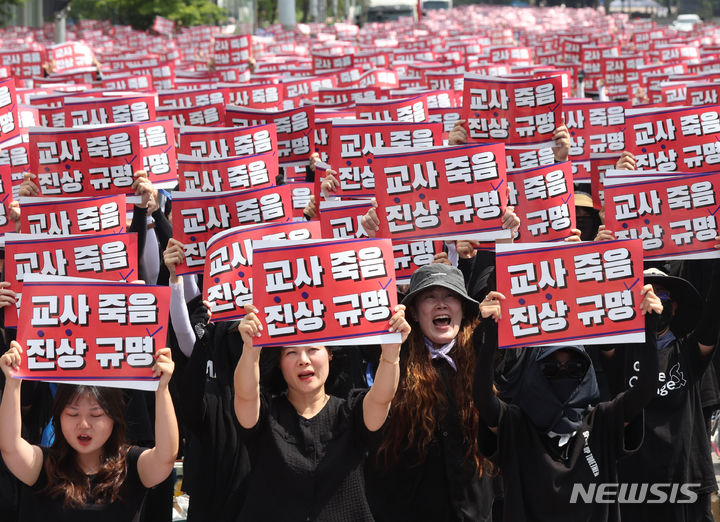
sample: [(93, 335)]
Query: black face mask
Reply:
[(563, 387), (666, 316)]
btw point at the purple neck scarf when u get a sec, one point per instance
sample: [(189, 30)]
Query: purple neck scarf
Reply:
[(442, 352)]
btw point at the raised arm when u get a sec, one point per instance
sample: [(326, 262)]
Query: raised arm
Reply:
[(645, 388), (156, 464), (22, 458), (247, 371), (376, 403), (486, 342)]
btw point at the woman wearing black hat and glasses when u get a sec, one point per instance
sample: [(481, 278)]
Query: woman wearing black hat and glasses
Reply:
[(555, 443), (429, 466), (676, 447)]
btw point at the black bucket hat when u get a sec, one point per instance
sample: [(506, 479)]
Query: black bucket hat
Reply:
[(690, 302), (439, 274)]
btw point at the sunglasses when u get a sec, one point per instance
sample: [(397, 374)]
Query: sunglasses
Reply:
[(556, 369)]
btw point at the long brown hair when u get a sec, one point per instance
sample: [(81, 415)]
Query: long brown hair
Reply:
[(420, 401), (66, 480)]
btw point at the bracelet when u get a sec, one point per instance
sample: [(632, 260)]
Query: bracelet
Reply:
[(390, 362)]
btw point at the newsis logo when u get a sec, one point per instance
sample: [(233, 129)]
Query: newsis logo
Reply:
[(609, 493)]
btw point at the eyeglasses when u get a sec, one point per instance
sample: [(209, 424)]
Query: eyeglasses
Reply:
[(572, 368)]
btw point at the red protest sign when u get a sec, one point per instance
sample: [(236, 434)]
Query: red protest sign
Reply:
[(518, 157), (111, 257), (256, 95), (115, 109), (199, 216), (544, 201), (9, 118), (670, 140), (411, 255), (516, 111), (675, 216), (127, 82), (6, 197), (223, 142), (324, 292), (96, 333), (341, 219), (157, 143), (204, 116), (596, 127), (70, 56), (187, 98), (65, 216), (300, 192), (90, 161), (352, 142), (229, 261), (572, 292), (449, 193), (295, 130), (233, 49), (412, 109), (233, 173)]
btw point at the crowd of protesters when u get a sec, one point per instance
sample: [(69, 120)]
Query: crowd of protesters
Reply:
[(440, 427)]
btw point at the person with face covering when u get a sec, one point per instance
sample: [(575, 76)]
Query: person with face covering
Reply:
[(307, 448), (555, 437), (428, 465), (676, 446)]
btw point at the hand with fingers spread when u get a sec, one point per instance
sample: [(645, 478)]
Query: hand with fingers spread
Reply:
[(370, 221), (490, 306), (627, 161), (27, 187), (604, 234), (173, 256), (164, 367), (651, 302), (458, 134), (561, 139), (144, 187), (7, 296)]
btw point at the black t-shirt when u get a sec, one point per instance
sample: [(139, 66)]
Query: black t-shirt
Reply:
[(216, 465), (37, 506), (676, 448), (539, 476), (308, 469), (441, 487)]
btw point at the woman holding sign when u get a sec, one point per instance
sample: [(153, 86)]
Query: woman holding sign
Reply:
[(428, 465), (307, 447), (88, 473)]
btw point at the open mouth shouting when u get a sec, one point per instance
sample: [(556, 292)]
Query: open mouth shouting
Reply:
[(442, 321), (84, 439)]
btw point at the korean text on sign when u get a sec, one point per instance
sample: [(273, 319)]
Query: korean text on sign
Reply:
[(96, 333), (324, 292), (568, 293)]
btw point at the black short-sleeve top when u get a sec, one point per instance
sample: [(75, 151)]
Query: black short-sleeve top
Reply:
[(308, 469), (36, 505)]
